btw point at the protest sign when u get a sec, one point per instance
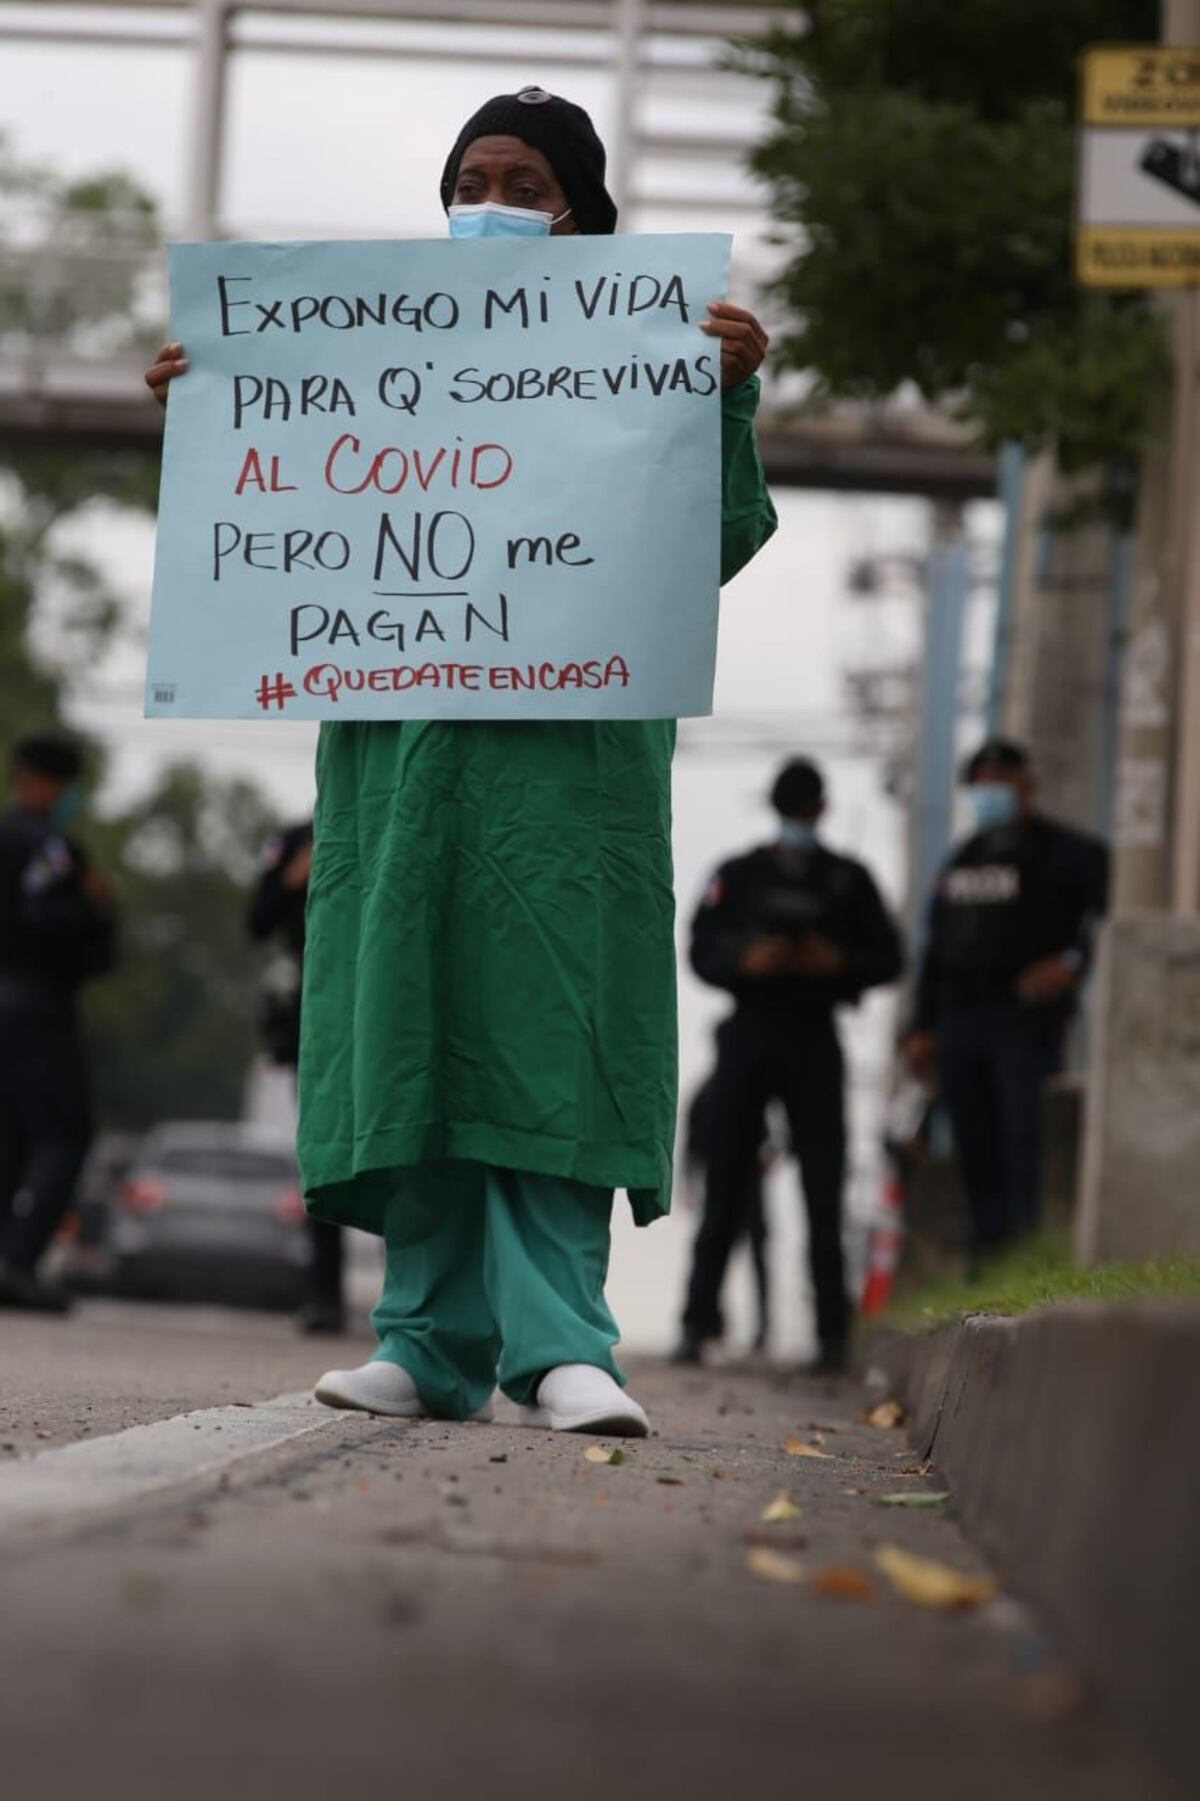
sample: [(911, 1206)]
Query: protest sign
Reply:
[(441, 480)]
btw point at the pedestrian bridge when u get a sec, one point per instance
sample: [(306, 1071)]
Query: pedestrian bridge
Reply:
[(81, 315)]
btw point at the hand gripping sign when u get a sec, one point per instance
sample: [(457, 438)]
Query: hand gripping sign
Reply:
[(441, 480)]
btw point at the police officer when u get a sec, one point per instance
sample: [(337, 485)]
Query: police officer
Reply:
[(701, 1127), (792, 931), (56, 931), (277, 910), (1009, 942)]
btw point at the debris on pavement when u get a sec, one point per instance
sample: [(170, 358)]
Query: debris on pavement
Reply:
[(781, 1508), (842, 1582), (913, 1497), (769, 1565), (928, 1583), (885, 1414)]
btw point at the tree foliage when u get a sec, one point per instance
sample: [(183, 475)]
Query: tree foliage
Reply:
[(922, 167), (172, 1029)]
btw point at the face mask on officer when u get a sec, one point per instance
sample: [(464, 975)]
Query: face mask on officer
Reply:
[(66, 807), (993, 804), (797, 834)]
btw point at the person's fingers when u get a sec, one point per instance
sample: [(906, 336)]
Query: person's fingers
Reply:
[(739, 361), (722, 311), (166, 367), (743, 341), (171, 362), (740, 330), (158, 378)]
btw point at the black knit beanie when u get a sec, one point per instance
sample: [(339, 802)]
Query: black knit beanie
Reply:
[(799, 790), (565, 136), (45, 753)]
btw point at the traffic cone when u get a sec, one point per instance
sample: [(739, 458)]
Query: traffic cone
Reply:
[(883, 1252)]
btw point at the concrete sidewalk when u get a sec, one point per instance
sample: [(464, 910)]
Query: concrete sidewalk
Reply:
[(484, 1611)]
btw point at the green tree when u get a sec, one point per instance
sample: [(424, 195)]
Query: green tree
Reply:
[(921, 163), (172, 1029), (71, 273)]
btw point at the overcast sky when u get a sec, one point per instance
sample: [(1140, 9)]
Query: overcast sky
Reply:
[(317, 146)]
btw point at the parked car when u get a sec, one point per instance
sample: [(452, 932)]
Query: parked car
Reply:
[(210, 1211)]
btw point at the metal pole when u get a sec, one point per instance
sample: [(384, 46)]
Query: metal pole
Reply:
[(948, 586), (628, 22), (1181, 25), (1185, 859), (1010, 484), (203, 189), (1108, 712)]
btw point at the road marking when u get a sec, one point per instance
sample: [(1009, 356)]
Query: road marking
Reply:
[(52, 1486)]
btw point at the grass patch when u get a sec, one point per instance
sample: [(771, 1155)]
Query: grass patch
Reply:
[(1038, 1273)]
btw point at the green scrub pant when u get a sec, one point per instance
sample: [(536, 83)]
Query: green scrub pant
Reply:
[(493, 1275)]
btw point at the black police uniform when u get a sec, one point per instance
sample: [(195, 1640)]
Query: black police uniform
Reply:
[(702, 1125), (278, 912), (781, 1042), (1007, 898), (53, 937)]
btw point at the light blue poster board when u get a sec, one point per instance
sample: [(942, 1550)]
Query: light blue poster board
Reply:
[(441, 480)]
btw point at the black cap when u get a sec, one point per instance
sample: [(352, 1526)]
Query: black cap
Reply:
[(799, 790), (47, 754), (996, 753), (565, 136)]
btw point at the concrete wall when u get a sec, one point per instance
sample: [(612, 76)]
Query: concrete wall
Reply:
[(1071, 1444), (1141, 1179)]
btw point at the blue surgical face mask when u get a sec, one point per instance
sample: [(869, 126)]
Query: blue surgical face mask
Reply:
[(994, 804), (797, 834), (66, 807), (488, 219)]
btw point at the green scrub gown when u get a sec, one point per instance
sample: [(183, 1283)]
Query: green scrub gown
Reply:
[(489, 973)]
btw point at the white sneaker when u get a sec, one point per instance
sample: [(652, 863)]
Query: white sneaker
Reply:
[(578, 1397), (379, 1387)]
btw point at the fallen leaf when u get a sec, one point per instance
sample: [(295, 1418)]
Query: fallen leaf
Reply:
[(796, 1447), (781, 1508), (603, 1454), (720, 1475), (887, 1414), (841, 1582), (775, 1538), (820, 1426), (774, 1566), (670, 1481), (913, 1497), (930, 1584)]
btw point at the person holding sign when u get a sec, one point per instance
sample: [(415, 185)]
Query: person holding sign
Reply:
[(488, 1044)]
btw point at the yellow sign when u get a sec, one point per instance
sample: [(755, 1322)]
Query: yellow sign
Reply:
[(1131, 256), (1141, 86)]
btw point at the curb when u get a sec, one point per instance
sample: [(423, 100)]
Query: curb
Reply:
[(1071, 1441)]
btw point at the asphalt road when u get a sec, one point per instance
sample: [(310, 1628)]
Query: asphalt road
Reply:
[(426, 1610)]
